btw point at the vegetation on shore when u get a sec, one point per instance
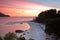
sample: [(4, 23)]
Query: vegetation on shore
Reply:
[(12, 36), (51, 18)]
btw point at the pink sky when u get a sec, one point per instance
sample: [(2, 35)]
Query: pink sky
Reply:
[(22, 8)]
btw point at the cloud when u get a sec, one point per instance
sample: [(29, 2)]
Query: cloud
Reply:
[(54, 3), (22, 7)]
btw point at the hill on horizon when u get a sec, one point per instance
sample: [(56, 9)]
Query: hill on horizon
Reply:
[(3, 15)]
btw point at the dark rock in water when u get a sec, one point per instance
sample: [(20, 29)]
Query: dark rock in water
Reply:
[(31, 39), (21, 23), (19, 31), (3, 15)]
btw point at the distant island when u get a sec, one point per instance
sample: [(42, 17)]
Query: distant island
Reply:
[(3, 15)]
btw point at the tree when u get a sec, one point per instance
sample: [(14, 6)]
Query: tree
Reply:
[(51, 18)]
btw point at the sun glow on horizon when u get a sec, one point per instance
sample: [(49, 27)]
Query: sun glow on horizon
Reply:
[(23, 8)]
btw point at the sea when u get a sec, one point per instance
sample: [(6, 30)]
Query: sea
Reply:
[(10, 24)]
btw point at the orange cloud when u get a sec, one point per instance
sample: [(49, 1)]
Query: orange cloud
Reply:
[(22, 8)]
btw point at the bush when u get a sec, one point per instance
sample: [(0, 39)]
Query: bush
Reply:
[(10, 36), (1, 38)]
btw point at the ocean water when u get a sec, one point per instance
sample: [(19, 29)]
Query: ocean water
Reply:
[(10, 24)]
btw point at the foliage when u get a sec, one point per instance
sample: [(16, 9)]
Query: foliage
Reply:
[(1, 38), (51, 18), (10, 36)]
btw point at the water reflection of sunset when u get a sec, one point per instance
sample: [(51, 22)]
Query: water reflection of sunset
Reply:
[(23, 26), (13, 27)]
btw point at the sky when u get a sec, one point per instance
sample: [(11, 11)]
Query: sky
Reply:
[(27, 7)]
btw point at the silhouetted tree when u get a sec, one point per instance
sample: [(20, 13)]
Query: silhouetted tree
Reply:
[(51, 18), (45, 16), (58, 14)]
